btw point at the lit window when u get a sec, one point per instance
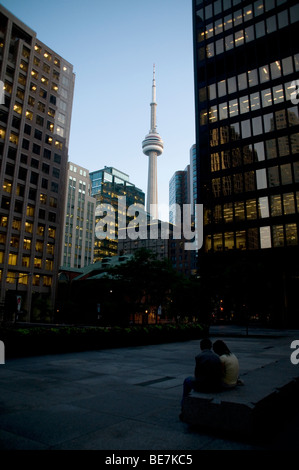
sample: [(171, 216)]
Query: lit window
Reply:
[(35, 280), (12, 259), (7, 186), (47, 281), (29, 115), (37, 263), (18, 108), (34, 74), (44, 80), (47, 55), (43, 198), (278, 236), (291, 234)]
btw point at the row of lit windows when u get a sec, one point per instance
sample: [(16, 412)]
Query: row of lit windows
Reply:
[(257, 8), (249, 154), (20, 94), (39, 245), (251, 33), (235, 19), (16, 224), (281, 146), (253, 209), (7, 187), (253, 238), (271, 177), (252, 78), (18, 206), (24, 279), (13, 261), (81, 171), (253, 102)]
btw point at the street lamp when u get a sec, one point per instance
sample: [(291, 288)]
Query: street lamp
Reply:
[(18, 298)]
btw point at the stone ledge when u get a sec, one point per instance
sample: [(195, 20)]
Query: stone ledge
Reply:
[(269, 394)]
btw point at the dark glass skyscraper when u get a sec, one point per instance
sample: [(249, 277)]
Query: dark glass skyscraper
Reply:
[(246, 64)]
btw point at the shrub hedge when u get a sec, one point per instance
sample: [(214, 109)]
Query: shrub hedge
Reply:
[(39, 340)]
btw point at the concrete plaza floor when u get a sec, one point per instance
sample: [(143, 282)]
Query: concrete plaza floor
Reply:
[(127, 398)]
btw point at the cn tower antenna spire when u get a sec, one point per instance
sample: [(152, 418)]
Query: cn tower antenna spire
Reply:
[(152, 146)]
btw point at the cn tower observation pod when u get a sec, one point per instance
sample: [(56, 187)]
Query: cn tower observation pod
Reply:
[(152, 143)]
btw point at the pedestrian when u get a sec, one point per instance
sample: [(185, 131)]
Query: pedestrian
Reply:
[(229, 364), (207, 373)]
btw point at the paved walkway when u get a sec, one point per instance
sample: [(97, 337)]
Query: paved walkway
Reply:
[(124, 399)]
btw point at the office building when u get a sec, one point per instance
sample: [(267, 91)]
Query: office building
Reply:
[(108, 185), (193, 178), (35, 117), (79, 219), (179, 193), (246, 64)]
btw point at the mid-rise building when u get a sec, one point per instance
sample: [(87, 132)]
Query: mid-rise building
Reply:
[(79, 219), (179, 193), (108, 186), (246, 65), (35, 118)]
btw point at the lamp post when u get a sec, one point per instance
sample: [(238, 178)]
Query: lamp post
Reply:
[(18, 298)]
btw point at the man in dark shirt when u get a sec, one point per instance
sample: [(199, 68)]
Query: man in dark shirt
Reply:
[(207, 374)]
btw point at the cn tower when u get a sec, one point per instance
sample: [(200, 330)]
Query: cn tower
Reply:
[(152, 146)]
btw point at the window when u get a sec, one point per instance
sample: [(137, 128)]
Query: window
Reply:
[(44, 80), (278, 236), (36, 149), (57, 158), (18, 108), (264, 73), (266, 97), (41, 107), (47, 154), (31, 100), (291, 234), (46, 168), (38, 134), (271, 24), (56, 172), (29, 115), (25, 144), (260, 29), (34, 74), (43, 198), (27, 129), (42, 93), (257, 127), (244, 104), (39, 120), (53, 99)]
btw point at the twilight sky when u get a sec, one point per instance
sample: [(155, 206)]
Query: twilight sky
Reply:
[(113, 45)]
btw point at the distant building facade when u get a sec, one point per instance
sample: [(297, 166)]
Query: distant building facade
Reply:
[(78, 246), (179, 192), (35, 118), (108, 185)]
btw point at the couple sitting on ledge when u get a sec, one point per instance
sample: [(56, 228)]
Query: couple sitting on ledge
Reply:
[(216, 369)]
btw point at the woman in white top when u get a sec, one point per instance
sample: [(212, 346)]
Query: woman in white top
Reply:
[(229, 362)]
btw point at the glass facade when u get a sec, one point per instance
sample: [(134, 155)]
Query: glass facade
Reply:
[(108, 185), (246, 59)]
